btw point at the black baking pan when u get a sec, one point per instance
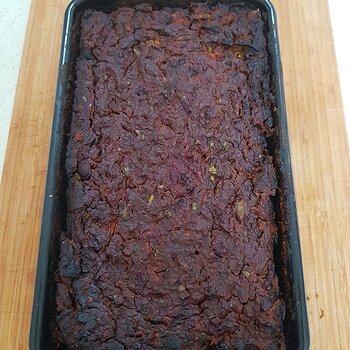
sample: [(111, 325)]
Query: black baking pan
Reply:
[(287, 250)]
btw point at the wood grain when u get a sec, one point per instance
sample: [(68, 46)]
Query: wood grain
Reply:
[(321, 167), (320, 156)]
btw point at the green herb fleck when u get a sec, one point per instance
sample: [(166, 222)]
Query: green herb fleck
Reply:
[(123, 212), (246, 273), (212, 169), (151, 198), (181, 288)]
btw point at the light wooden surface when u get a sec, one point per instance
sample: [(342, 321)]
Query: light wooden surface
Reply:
[(320, 156)]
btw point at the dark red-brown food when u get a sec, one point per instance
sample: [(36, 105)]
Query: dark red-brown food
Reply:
[(170, 225)]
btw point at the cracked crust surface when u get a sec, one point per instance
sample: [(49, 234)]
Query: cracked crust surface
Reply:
[(170, 225)]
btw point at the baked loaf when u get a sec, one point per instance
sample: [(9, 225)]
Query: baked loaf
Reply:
[(170, 224)]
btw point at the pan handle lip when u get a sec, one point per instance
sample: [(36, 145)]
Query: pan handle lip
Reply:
[(294, 243), (36, 334)]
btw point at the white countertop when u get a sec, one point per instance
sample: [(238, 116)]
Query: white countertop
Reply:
[(13, 22)]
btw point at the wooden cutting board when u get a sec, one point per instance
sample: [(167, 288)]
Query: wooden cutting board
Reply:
[(320, 156)]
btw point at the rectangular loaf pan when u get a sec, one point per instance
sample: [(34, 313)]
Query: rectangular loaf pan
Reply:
[(287, 250)]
